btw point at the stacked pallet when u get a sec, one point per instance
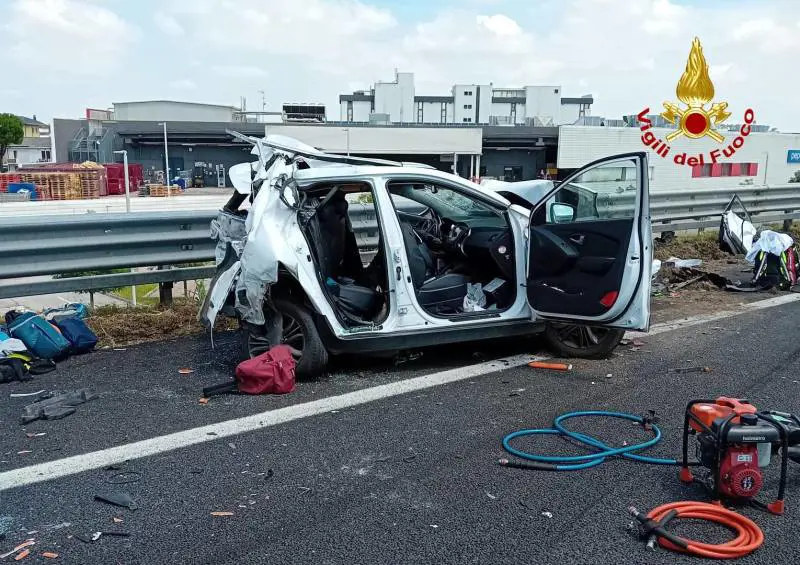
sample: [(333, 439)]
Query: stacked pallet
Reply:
[(6, 179), (84, 184), (160, 190)]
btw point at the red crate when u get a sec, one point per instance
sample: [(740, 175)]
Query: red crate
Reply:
[(6, 179)]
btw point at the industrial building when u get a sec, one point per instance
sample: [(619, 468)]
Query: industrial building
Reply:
[(397, 102), (197, 140)]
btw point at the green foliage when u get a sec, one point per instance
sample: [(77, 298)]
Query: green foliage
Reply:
[(795, 177), (11, 132)]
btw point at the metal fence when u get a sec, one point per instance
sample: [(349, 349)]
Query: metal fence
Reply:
[(42, 246)]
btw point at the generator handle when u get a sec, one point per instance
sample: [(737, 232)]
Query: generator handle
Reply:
[(778, 504), (687, 416)]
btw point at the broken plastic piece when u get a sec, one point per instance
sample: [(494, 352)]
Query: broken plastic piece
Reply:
[(22, 555), (222, 513), (185, 371), (50, 555), (552, 366), (117, 520), (203, 401), (56, 407), (117, 499), (24, 394), (23, 545)]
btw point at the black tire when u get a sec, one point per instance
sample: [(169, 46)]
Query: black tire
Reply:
[(299, 332), (575, 341)]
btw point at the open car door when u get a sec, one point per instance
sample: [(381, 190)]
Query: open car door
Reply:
[(590, 246)]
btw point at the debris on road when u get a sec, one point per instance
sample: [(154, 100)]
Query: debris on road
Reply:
[(407, 357), (118, 499), (117, 520), (220, 513), (25, 394), (20, 547), (692, 370), (185, 371), (491, 496), (32, 435), (22, 555), (203, 400), (517, 392), (24, 452), (56, 407), (609, 375), (547, 514), (50, 555), (551, 366), (124, 478)]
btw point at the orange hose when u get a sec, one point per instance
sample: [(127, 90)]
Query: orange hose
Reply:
[(749, 536)]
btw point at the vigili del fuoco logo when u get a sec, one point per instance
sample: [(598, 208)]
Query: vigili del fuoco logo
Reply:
[(695, 118)]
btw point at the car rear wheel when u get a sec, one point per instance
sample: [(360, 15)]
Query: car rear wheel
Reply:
[(298, 331), (582, 342)]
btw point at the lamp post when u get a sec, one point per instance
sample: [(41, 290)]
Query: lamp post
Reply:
[(166, 160), (127, 203)]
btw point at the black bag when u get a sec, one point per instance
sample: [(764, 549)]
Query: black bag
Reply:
[(12, 370), (779, 271), (32, 365)]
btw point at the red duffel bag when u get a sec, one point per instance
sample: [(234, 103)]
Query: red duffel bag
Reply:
[(269, 373)]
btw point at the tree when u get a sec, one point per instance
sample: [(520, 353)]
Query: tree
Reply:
[(11, 132), (795, 177)]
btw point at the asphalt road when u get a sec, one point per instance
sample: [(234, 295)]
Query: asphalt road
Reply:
[(409, 478)]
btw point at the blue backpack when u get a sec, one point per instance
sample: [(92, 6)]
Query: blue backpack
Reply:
[(81, 338), (41, 338)]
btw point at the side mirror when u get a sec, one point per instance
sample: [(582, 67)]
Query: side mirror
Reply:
[(561, 213)]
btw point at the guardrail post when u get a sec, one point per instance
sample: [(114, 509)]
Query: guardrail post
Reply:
[(164, 292), (787, 225)]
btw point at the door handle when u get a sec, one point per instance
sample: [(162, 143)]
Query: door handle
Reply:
[(577, 239), (399, 272)]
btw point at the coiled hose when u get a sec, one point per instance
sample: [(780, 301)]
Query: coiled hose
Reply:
[(600, 451), (749, 536)]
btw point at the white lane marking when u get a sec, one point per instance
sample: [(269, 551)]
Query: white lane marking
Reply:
[(145, 448), (705, 318)]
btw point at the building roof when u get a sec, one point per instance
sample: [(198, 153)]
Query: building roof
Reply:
[(183, 102), (444, 99), (34, 142), (356, 97), (31, 121)]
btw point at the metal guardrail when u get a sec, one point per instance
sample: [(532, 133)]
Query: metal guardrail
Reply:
[(48, 245)]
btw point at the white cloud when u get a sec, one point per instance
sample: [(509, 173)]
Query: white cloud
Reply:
[(66, 36), (168, 24), (183, 84), (239, 71), (628, 54), (500, 24)]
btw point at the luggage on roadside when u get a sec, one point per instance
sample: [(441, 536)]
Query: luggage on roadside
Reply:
[(777, 271), (12, 370), (33, 365), (272, 372), (39, 336), (69, 310), (81, 338)]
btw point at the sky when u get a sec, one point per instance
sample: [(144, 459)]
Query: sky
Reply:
[(63, 56)]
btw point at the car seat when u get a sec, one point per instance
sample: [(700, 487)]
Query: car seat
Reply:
[(340, 261), (436, 292)]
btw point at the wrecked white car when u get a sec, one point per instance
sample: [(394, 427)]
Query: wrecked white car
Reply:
[(350, 255)]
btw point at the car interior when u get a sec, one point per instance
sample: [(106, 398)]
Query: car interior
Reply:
[(352, 268), (460, 250)]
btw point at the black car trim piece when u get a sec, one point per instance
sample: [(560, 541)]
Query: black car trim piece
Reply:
[(360, 343)]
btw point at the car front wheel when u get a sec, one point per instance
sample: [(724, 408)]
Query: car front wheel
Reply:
[(298, 331), (582, 342)]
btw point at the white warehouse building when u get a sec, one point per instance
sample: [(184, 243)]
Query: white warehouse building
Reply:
[(397, 102)]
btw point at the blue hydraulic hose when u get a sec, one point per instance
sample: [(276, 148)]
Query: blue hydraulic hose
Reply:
[(601, 453)]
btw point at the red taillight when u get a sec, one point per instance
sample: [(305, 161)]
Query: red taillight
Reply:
[(609, 299)]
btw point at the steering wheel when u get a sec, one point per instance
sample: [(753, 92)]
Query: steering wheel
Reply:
[(430, 227)]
